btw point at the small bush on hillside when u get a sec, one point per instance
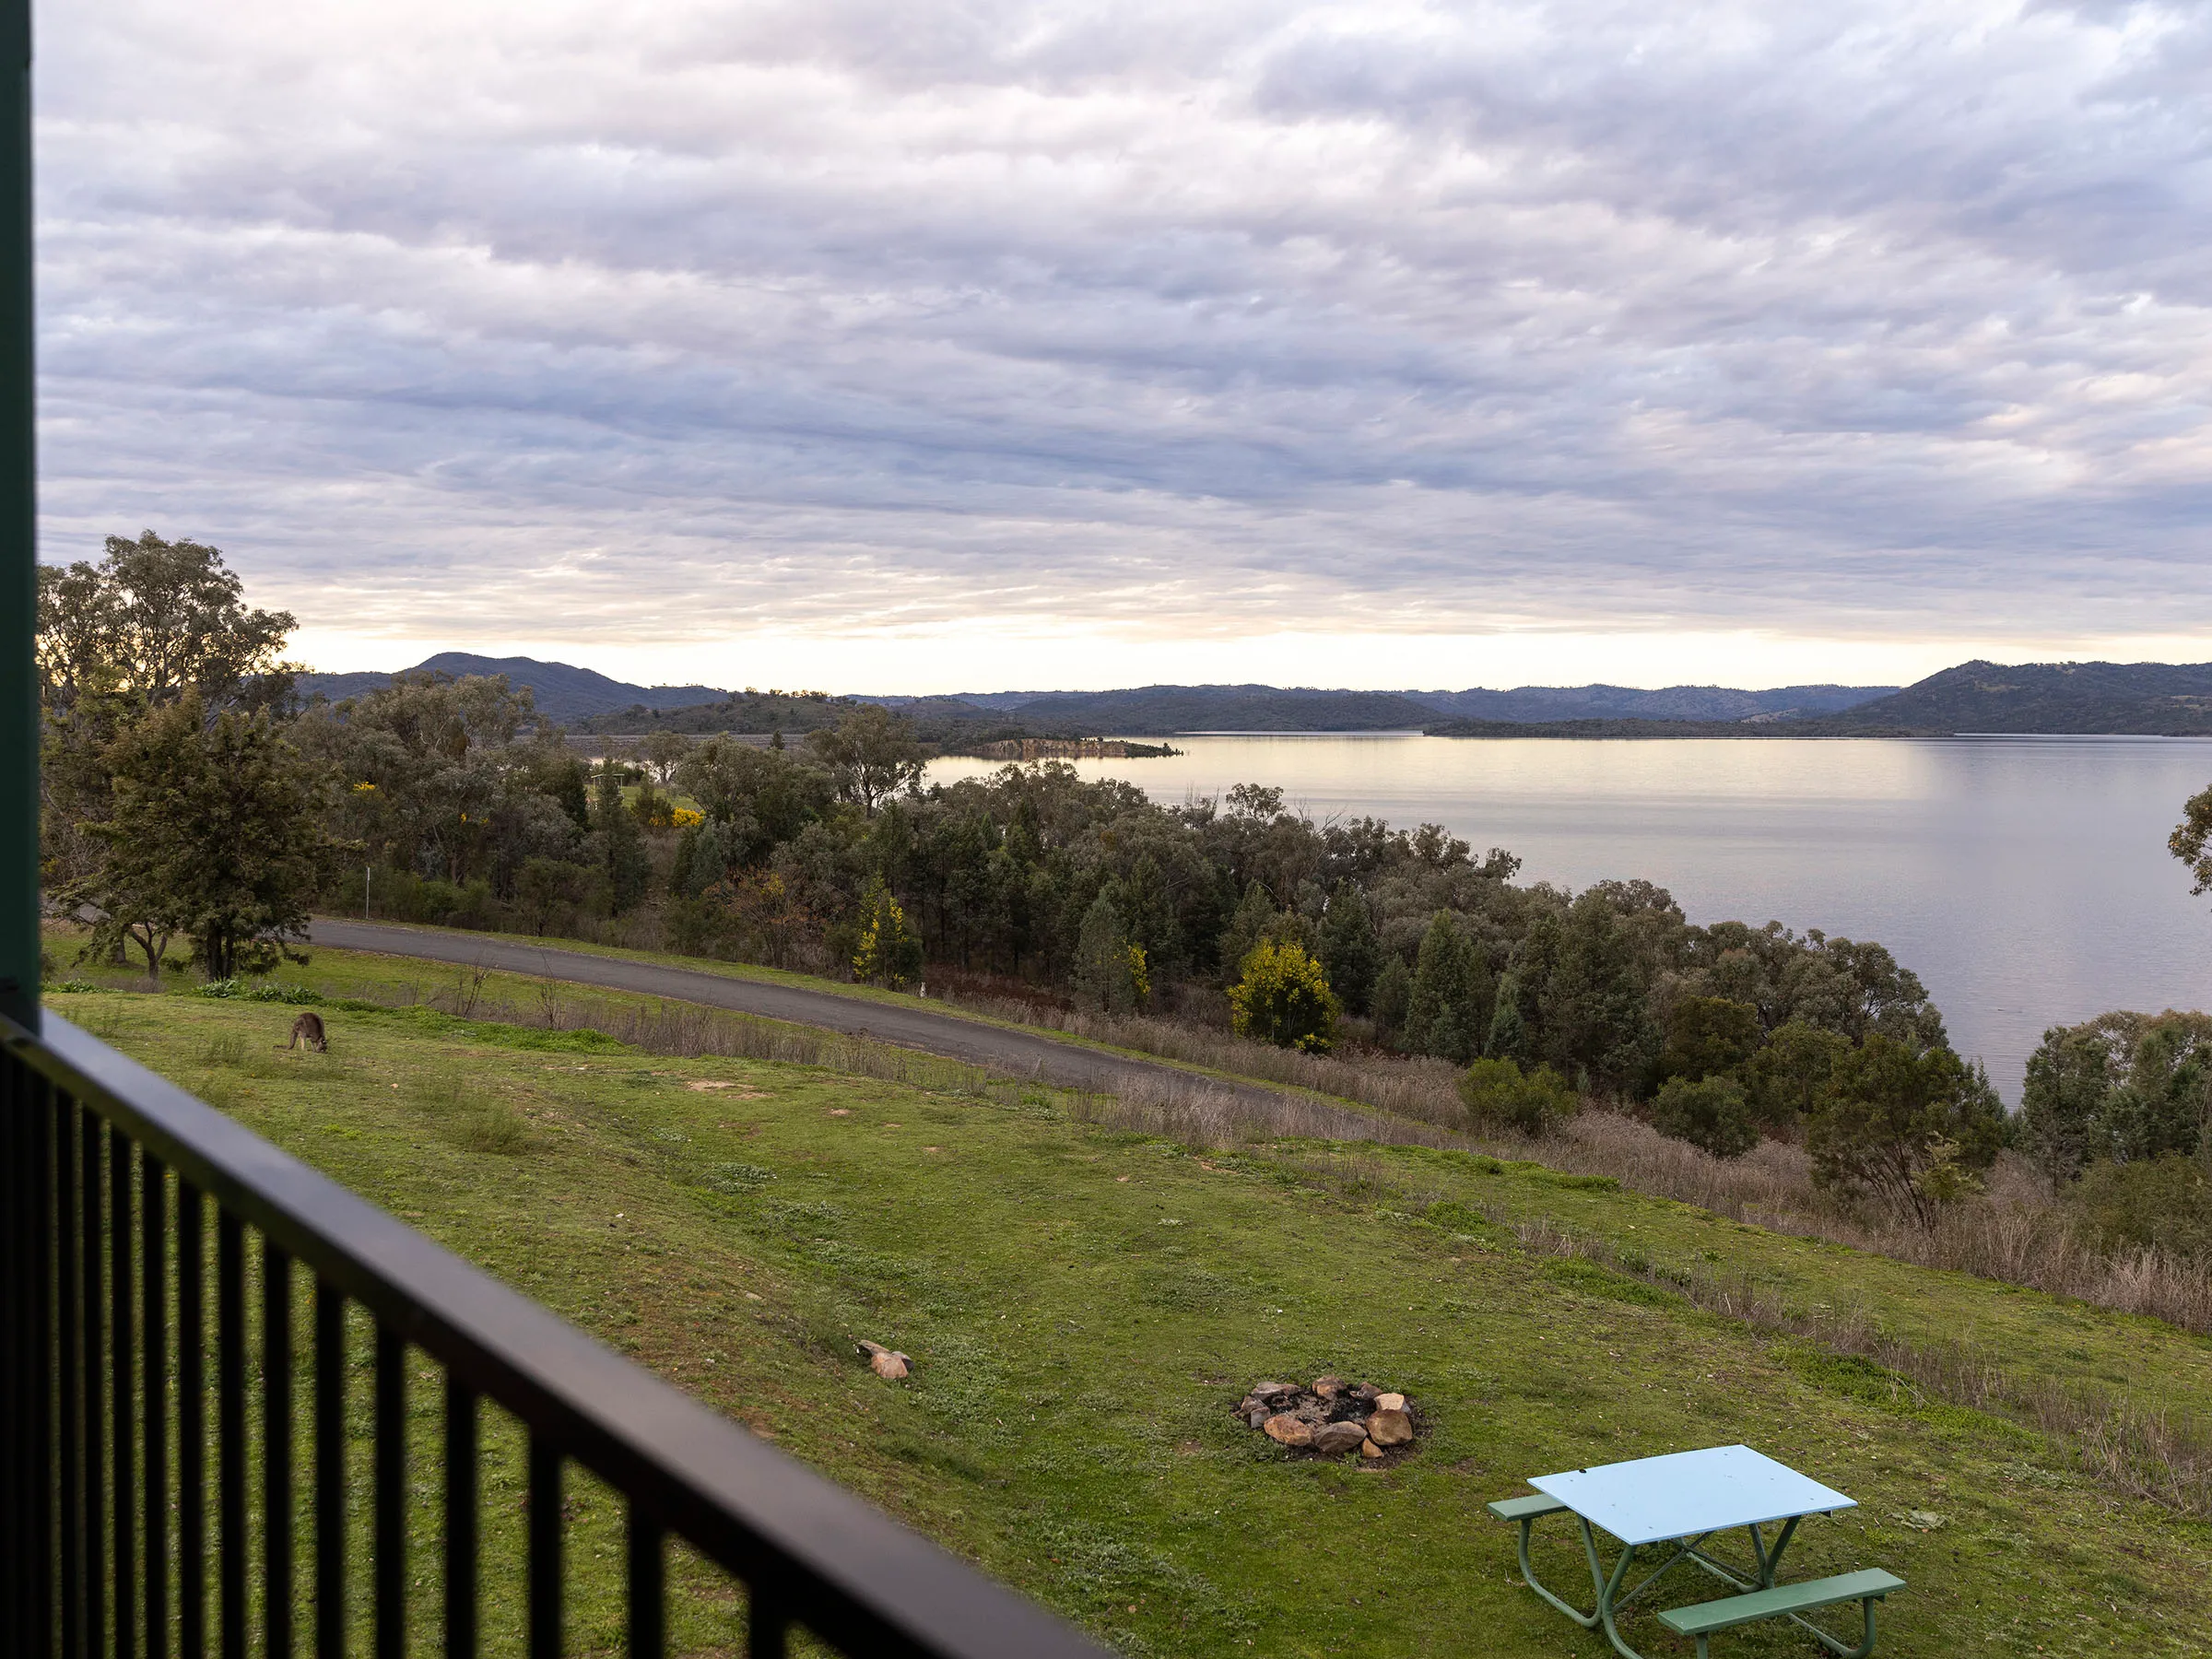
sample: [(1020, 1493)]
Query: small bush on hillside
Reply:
[(1710, 1113), (225, 1049), (890, 951), (1500, 1095), (2163, 1200), (1282, 997)]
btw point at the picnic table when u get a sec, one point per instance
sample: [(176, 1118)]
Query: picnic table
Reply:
[(1677, 1502)]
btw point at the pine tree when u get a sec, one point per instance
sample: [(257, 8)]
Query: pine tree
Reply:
[(1394, 992), (1246, 927), (621, 844), (1107, 966), (1350, 948)]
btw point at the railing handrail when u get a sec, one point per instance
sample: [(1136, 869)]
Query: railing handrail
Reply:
[(843, 1568)]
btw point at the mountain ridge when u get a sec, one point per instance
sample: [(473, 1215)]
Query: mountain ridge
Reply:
[(2057, 699)]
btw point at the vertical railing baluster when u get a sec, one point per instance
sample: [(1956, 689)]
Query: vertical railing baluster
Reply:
[(544, 1589), (46, 1379), (276, 1450), (648, 1572), (123, 1391), (70, 1393), (766, 1624), (330, 1471), (390, 1522), (153, 1219), (15, 1357), (230, 1433), (460, 1519), (16, 1536), (192, 1425), (92, 1230)]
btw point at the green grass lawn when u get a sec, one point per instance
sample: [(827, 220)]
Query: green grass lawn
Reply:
[(1085, 1306)]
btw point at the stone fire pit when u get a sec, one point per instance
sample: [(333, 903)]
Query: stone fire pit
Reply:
[(1330, 1417)]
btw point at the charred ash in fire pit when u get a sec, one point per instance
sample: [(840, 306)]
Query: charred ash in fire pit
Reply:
[(1330, 1417)]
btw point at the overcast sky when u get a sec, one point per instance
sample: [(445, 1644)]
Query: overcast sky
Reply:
[(902, 346)]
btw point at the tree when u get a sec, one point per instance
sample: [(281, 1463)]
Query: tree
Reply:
[(889, 953), (549, 891), (1394, 993), (662, 752), (158, 618), (871, 754), (1109, 971), (1710, 1112), (1448, 1012), (1500, 1095), (216, 834), (1282, 997), (1706, 1035), (2064, 1098), (1248, 923), (1787, 1078), (619, 842), (2192, 840), (2122, 1087), (1910, 1128), (1350, 949)]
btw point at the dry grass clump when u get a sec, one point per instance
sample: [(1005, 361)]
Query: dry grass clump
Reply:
[(471, 1117)]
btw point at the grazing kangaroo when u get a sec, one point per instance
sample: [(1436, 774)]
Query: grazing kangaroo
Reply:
[(308, 1029)]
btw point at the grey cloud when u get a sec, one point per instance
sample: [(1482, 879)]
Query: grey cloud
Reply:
[(686, 317)]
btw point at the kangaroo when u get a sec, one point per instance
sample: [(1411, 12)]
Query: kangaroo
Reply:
[(308, 1029)]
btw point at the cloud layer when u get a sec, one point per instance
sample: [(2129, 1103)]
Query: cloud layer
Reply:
[(683, 322)]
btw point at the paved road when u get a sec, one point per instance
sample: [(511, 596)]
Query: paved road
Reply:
[(1018, 1052)]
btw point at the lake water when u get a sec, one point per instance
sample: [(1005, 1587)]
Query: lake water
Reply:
[(2025, 880)]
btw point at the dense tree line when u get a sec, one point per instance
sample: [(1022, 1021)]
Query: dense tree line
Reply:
[(189, 795)]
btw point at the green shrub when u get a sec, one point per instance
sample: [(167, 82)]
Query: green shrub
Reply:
[(1500, 1095), (1710, 1113), (1282, 997), (275, 991), (2163, 1200)]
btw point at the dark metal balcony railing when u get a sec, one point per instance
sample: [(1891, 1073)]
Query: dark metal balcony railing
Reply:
[(115, 1415)]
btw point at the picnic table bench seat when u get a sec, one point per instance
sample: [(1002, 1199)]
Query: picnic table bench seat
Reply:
[(1868, 1585), (1525, 1509)]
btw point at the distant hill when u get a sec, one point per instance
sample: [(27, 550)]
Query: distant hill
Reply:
[(2151, 700), (2116, 698), (564, 694), (1163, 711), (1629, 702), (2147, 698)]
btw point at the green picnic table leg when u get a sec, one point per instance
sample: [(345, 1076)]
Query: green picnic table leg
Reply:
[(1529, 1573), (1609, 1587)]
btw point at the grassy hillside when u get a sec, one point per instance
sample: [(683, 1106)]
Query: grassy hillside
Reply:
[(1084, 1305)]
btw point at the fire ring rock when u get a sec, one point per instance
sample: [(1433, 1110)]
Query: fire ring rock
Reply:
[(1390, 1427), (1332, 1417)]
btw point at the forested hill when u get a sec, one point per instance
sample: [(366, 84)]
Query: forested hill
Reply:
[(2122, 699), (564, 693), (2149, 698)]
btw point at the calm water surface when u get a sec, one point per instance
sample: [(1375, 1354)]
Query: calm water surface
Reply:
[(2026, 881)]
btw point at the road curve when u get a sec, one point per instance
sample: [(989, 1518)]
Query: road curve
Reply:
[(1011, 1051)]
